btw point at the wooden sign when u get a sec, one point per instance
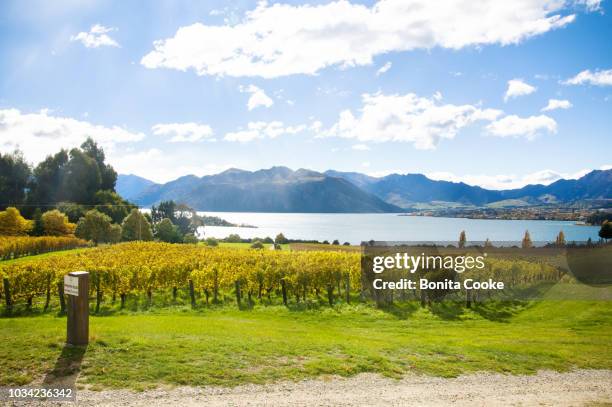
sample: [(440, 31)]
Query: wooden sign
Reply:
[(71, 285)]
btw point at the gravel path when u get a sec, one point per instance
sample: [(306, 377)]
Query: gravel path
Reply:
[(576, 388)]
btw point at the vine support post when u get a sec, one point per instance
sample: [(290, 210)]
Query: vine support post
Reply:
[(284, 289), (192, 294), (62, 299)]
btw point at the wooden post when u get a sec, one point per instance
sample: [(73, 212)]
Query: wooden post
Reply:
[(237, 284), (48, 298), (330, 295), (348, 289), (76, 286), (62, 299), (7, 295), (192, 294), (284, 289), (98, 293)]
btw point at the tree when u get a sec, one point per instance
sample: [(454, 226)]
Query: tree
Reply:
[(560, 239), (108, 176), (165, 210), (462, 239), (281, 239), (166, 231), (46, 185), (14, 177), (526, 243), (37, 225), (212, 242), (55, 223), (114, 234), (488, 243), (257, 244), (81, 178), (113, 205), (190, 239), (606, 230), (233, 238), (96, 226), (13, 224), (136, 227), (336, 242)]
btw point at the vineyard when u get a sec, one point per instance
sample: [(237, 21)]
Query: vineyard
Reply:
[(139, 267), (210, 273), (13, 247)]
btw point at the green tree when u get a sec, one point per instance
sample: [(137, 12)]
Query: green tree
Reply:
[(56, 223), (165, 210), (114, 234), (14, 177), (257, 244), (190, 239), (166, 231), (96, 226), (37, 225), (526, 243), (281, 239), (212, 242), (81, 178), (108, 176), (47, 182), (136, 227), (113, 205), (233, 238), (13, 224), (462, 239), (606, 230)]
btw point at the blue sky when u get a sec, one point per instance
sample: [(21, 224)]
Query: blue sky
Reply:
[(456, 90)]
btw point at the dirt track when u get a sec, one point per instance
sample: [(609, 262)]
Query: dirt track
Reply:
[(576, 388)]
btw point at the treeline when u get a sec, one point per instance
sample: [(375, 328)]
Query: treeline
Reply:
[(73, 182)]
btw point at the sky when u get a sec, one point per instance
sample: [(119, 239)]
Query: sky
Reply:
[(491, 93)]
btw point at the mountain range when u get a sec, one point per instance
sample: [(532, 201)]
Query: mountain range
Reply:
[(280, 189)]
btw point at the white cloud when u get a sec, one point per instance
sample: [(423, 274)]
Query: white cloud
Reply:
[(96, 37), (360, 147), (597, 78), (281, 39), (408, 118), (528, 127), (260, 130), (554, 104), (258, 97), (183, 132), (507, 181), (40, 134), (516, 88), (383, 69), (163, 166)]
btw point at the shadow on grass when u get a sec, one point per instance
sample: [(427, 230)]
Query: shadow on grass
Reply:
[(401, 310), (500, 311), (67, 366)]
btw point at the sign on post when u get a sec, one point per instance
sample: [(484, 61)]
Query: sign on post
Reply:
[(76, 286), (71, 285)]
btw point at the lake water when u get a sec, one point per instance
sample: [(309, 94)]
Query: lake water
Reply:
[(355, 228)]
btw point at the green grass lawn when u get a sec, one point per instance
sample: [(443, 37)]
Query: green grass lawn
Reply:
[(227, 346)]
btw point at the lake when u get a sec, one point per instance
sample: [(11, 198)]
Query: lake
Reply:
[(355, 228)]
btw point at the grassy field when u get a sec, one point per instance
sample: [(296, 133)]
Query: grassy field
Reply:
[(226, 346)]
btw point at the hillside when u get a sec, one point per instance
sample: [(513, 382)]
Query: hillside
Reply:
[(280, 189), (277, 189)]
